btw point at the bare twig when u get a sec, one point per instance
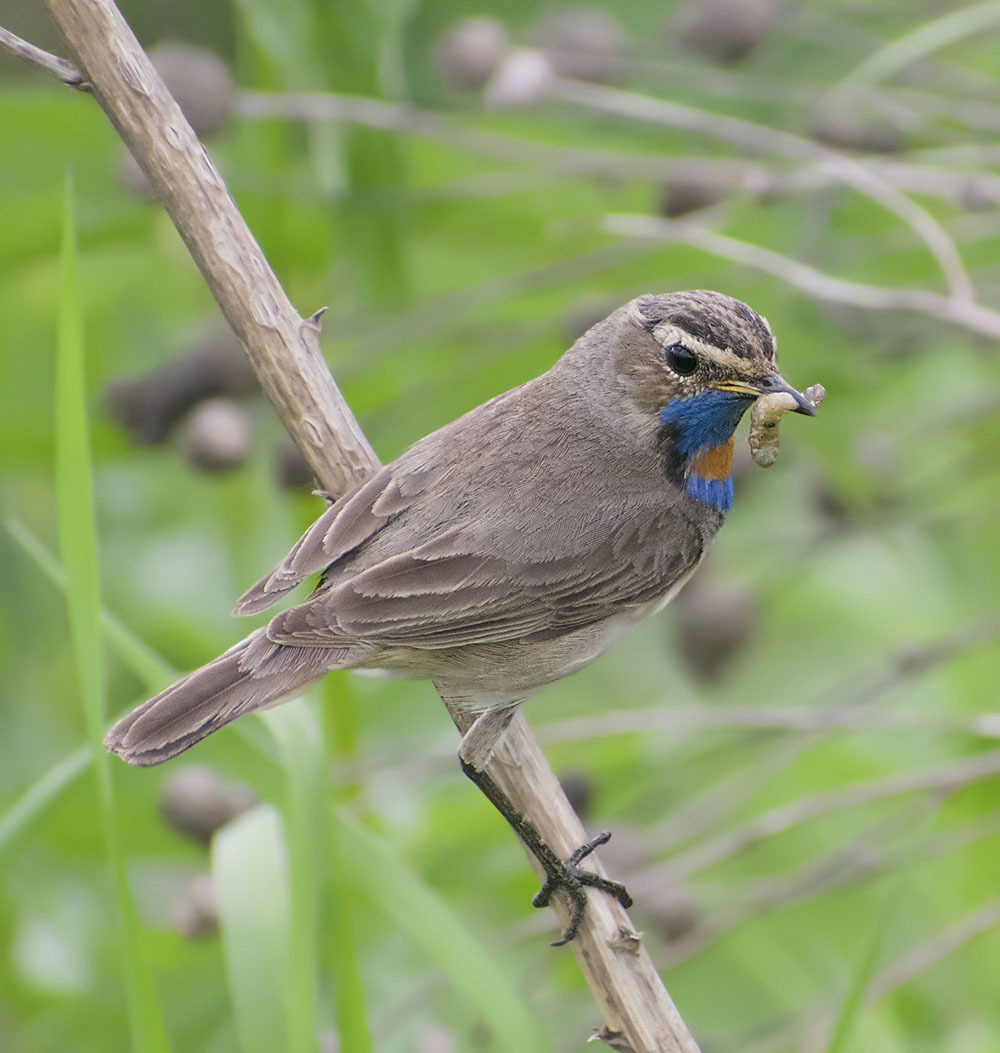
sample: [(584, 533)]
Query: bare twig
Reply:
[(760, 138), (810, 1031), (927, 38), (284, 351), (456, 135), (864, 859), (981, 189), (763, 718), (728, 173), (58, 67), (941, 778), (965, 313), (852, 712)]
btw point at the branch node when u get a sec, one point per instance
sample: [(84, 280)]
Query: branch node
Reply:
[(615, 1039), (627, 940)]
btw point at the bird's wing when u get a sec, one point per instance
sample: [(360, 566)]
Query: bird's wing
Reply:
[(449, 593), (343, 527)]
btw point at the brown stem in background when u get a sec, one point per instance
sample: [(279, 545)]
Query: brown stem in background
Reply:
[(60, 68), (823, 286), (284, 350)]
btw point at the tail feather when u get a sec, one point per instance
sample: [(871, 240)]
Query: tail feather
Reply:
[(252, 675)]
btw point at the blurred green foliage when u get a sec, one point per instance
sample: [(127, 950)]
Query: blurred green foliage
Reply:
[(866, 562)]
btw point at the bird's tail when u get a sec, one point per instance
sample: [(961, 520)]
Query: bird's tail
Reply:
[(254, 674)]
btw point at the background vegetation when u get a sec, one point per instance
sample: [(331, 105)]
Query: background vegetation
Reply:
[(797, 759)]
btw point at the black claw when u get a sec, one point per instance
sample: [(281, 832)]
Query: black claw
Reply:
[(585, 849), (568, 876), (565, 874)]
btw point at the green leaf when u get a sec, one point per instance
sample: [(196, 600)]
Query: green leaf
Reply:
[(148, 666), (78, 544), (40, 796), (251, 886), (303, 759), (385, 881)]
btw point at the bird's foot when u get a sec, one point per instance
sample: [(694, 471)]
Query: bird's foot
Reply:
[(566, 874), (569, 876)]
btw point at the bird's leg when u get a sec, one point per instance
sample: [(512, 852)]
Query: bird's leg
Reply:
[(476, 748)]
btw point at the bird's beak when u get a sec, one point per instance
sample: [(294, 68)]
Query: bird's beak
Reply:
[(773, 382)]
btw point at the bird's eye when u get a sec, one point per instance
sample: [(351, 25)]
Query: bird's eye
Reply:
[(682, 360)]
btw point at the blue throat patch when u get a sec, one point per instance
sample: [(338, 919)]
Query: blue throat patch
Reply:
[(693, 427)]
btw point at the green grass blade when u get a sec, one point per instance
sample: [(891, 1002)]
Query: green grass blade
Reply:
[(854, 1002), (34, 802), (927, 38), (345, 952), (251, 886), (302, 754), (78, 544), (148, 666), (385, 881)]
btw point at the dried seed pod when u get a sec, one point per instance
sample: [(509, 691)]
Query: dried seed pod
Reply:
[(148, 406), (437, 1040), (692, 186), (467, 54), (292, 470), (133, 178), (850, 128), (724, 30), (216, 436), (200, 82), (196, 912), (195, 801), (579, 790), (715, 622), (767, 411), (584, 42), (520, 80)]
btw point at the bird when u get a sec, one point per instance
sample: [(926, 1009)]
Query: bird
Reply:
[(509, 548)]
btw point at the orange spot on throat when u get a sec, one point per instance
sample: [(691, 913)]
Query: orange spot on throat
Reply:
[(716, 463)]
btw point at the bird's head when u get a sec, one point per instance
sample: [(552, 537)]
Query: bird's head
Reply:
[(695, 362)]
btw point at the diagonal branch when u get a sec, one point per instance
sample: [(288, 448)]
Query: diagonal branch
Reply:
[(759, 137), (284, 350), (823, 286), (60, 68)]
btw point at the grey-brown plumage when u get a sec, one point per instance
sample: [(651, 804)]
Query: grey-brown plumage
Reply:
[(512, 546)]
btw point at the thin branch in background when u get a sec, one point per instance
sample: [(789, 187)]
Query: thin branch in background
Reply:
[(852, 710), (904, 106), (864, 859), (979, 189), (729, 906), (426, 124), (809, 1030), (440, 314), (737, 176), (978, 114), (926, 39), (818, 22), (759, 138), (697, 814), (44, 60), (728, 717), (880, 183), (936, 779), (960, 312)]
